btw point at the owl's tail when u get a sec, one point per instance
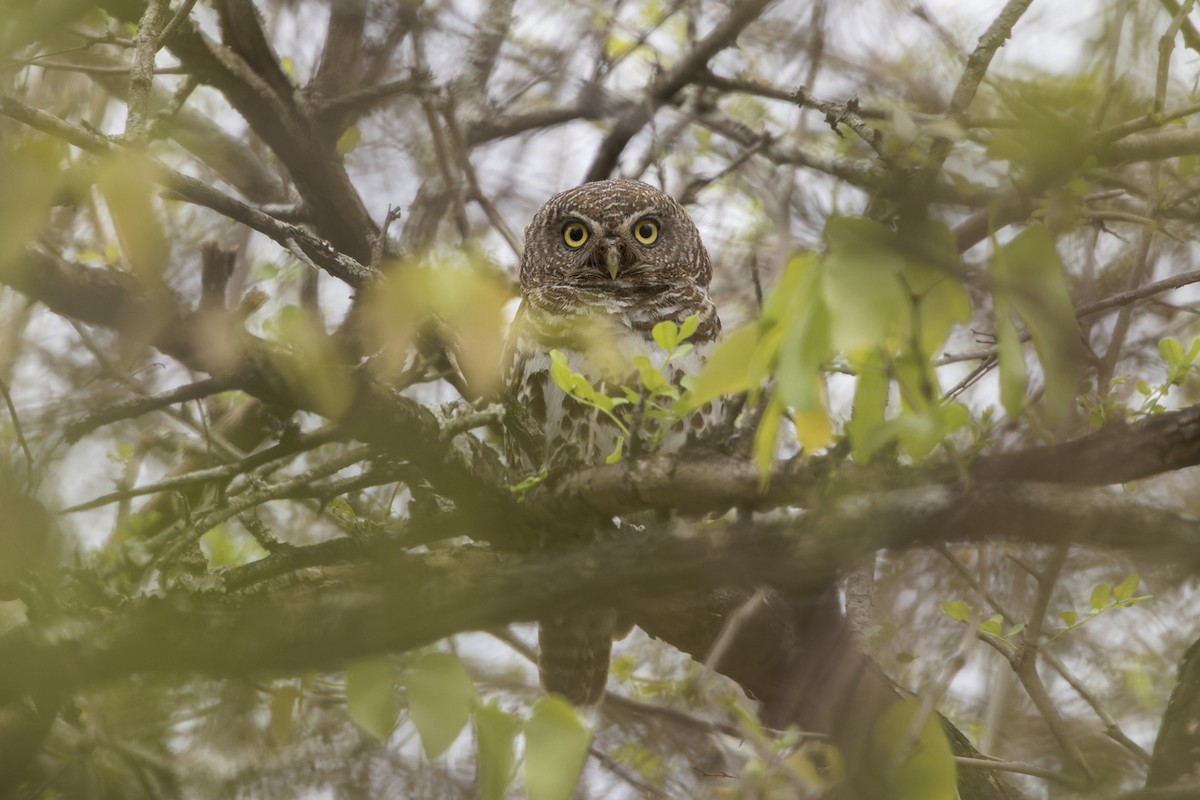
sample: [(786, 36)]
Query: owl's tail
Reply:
[(573, 654)]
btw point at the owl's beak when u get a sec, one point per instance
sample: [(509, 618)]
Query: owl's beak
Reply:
[(613, 255), (612, 259)]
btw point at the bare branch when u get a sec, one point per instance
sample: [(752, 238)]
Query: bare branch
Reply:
[(141, 74), (689, 69)]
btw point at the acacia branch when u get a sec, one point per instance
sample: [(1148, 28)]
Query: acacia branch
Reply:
[(1120, 453), (420, 599), (690, 69), (463, 468)]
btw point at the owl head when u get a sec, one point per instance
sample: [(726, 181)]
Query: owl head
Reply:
[(613, 237)]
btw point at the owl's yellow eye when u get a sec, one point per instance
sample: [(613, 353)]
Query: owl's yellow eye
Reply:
[(646, 231), (575, 234)]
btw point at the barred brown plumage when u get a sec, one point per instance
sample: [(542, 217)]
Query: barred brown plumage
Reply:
[(603, 264)]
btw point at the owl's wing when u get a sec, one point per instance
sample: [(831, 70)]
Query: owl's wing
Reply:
[(525, 406)]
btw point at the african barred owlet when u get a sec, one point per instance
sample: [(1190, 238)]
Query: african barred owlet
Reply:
[(603, 264)]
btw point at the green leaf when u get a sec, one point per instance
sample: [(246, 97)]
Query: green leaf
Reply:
[(765, 437), (1069, 617), (1014, 630), (130, 191), (560, 373), (371, 696), (932, 274), (870, 405), (1171, 351), (556, 748), (495, 731), (803, 353), (440, 698), (313, 369), (993, 625), (920, 433), (724, 373), (861, 287), (1012, 361), (652, 379), (1125, 589), (615, 455), (956, 610), (1028, 277), (348, 140), (681, 351), (1101, 596), (528, 483), (689, 327), (814, 428), (666, 335), (339, 508), (1193, 350), (924, 771)]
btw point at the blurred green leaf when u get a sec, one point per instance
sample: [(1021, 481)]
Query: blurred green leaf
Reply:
[(371, 696), (31, 170), (130, 189), (1171, 351), (724, 373), (870, 404), (1125, 589), (315, 369), (556, 748), (766, 436), (956, 610), (814, 428), (665, 335), (495, 730), (225, 547), (924, 771), (689, 327), (1028, 278), (1101, 595), (867, 305), (348, 140), (441, 695)]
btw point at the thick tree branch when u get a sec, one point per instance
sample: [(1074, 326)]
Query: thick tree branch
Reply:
[(416, 600), (260, 91)]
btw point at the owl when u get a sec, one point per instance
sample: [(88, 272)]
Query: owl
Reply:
[(603, 264)]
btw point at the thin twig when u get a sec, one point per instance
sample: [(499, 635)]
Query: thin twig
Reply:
[(733, 625), (181, 13), (20, 433), (136, 407), (1166, 45), (977, 66), (997, 765), (1024, 662), (1110, 724), (300, 444)]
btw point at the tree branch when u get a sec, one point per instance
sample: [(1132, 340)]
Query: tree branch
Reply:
[(690, 69)]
